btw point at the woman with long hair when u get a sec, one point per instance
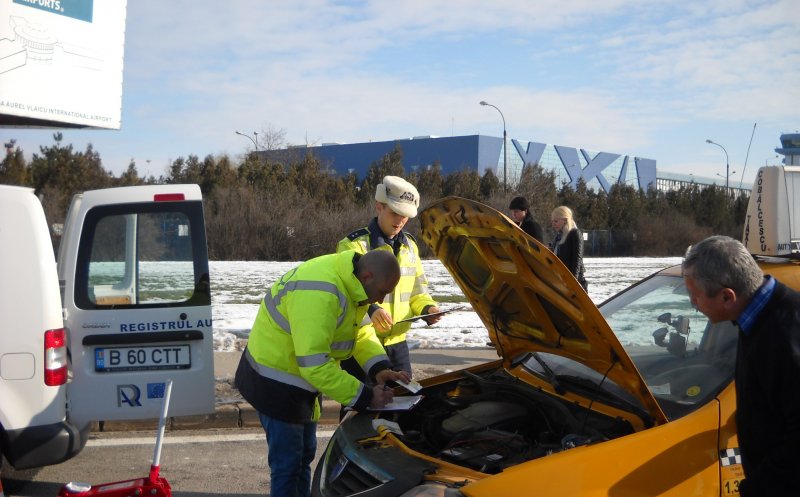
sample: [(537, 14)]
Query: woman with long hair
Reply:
[(568, 242)]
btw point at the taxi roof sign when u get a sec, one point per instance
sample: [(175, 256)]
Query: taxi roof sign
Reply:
[(772, 224)]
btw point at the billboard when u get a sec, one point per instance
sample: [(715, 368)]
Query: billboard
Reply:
[(61, 63)]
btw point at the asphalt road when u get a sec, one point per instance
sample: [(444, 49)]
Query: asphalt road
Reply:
[(205, 462), (215, 463)]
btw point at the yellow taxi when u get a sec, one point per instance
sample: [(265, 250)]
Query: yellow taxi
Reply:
[(634, 397)]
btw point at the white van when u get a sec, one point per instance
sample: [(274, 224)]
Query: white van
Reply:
[(96, 335)]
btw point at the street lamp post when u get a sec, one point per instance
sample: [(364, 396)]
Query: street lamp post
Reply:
[(727, 164), (505, 145), (255, 141)]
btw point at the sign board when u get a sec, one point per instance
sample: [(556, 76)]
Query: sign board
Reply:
[(772, 225), (61, 63)]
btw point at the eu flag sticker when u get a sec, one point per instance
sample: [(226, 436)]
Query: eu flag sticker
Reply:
[(156, 390)]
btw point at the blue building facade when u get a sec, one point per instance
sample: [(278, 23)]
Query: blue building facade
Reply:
[(600, 170)]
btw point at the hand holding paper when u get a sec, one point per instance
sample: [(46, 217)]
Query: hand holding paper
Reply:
[(412, 386), (423, 316)]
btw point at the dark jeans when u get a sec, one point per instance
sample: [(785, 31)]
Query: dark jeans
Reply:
[(290, 451), (399, 356)]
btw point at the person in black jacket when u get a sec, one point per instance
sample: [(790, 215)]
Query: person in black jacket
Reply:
[(521, 213), (568, 242), (725, 283)]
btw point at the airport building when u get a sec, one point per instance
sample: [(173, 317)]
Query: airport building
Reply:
[(790, 149), (600, 170)]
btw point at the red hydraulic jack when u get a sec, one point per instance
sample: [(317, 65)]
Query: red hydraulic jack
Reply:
[(152, 485)]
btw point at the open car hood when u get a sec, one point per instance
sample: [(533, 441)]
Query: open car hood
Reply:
[(523, 293)]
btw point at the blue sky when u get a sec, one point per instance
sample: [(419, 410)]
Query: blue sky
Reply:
[(646, 78)]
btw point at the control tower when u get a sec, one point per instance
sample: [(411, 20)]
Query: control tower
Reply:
[(790, 147)]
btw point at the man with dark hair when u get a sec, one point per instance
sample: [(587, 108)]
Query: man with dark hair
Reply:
[(306, 324), (521, 214), (726, 284)]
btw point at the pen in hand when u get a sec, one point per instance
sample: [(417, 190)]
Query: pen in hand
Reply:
[(382, 395)]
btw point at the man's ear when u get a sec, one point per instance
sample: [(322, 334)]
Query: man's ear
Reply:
[(728, 296)]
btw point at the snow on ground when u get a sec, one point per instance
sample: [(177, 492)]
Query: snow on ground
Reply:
[(238, 287)]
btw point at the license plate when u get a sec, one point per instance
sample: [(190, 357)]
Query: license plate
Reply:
[(150, 358)]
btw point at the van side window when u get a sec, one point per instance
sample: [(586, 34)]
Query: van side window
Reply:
[(142, 259)]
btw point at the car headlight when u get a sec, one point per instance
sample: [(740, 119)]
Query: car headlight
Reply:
[(341, 475), (354, 465)]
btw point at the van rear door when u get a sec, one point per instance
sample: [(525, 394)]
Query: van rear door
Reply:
[(133, 267)]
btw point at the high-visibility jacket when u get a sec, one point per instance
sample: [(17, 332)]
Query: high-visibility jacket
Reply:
[(410, 297), (307, 323)]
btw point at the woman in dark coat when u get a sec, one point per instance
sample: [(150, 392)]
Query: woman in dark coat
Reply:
[(521, 214), (568, 242)]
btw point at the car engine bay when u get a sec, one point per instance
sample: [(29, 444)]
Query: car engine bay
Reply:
[(492, 420)]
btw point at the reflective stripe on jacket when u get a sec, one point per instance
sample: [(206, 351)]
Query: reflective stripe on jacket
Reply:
[(306, 324), (410, 296)]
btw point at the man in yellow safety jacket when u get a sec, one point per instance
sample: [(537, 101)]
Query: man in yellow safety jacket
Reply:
[(307, 323), (396, 200)]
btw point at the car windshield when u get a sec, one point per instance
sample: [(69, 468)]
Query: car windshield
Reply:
[(684, 359)]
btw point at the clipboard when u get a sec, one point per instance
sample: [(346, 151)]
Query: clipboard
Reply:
[(404, 403), (415, 318)]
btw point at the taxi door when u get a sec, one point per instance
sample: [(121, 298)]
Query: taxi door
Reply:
[(133, 268)]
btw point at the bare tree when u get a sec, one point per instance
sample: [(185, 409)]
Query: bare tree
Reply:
[(271, 138)]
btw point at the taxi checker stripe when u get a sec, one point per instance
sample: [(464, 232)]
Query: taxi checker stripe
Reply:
[(728, 457), (272, 303), (277, 375)]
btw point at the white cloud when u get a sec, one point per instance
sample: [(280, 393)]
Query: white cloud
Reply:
[(621, 76)]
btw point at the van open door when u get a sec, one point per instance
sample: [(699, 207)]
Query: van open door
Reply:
[(133, 267)]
